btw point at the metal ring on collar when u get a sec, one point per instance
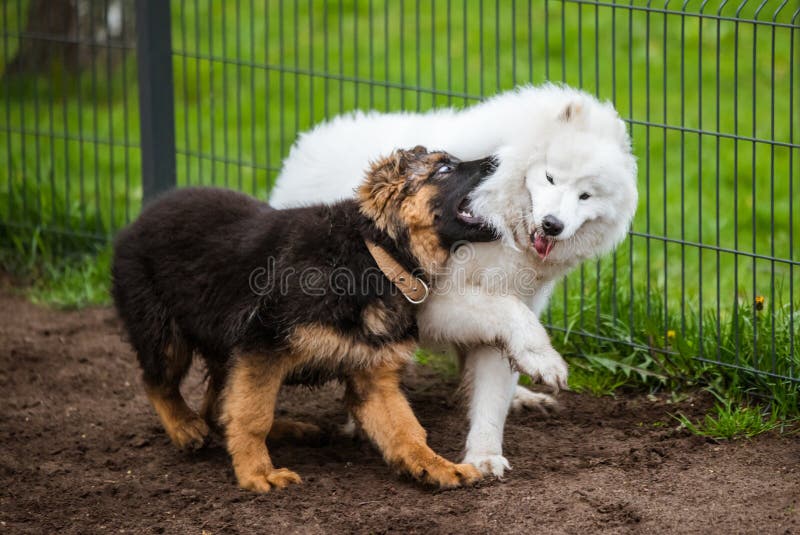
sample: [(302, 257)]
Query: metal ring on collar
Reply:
[(424, 297)]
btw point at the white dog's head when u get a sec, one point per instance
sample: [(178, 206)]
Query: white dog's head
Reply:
[(583, 192), (566, 185)]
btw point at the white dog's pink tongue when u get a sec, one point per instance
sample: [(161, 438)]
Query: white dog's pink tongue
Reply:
[(542, 245)]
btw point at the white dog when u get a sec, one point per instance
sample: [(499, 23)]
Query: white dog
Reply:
[(564, 191)]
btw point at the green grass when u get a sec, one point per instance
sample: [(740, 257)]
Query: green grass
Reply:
[(59, 278), (661, 303), (443, 364), (639, 353), (82, 282), (730, 421), (597, 381)]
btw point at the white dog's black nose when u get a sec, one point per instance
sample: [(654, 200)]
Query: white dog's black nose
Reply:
[(552, 226)]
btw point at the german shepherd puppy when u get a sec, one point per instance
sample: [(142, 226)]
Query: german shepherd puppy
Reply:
[(294, 296)]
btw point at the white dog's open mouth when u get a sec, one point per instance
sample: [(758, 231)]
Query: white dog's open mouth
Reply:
[(465, 214), (543, 244)]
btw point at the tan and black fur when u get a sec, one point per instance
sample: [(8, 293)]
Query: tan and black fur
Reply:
[(249, 288)]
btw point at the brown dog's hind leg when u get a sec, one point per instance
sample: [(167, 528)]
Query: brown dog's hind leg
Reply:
[(285, 429), (375, 399), (210, 408), (185, 428), (247, 411)]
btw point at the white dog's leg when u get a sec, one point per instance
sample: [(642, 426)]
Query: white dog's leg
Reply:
[(491, 383), (487, 319), (523, 397)]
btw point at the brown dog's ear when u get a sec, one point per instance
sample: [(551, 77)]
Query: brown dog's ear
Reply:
[(404, 158), (412, 162), (382, 184), (400, 159), (387, 181)]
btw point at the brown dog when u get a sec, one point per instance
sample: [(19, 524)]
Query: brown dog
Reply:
[(259, 294)]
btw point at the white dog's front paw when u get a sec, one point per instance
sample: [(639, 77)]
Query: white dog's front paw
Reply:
[(546, 367), (350, 428), (489, 465), (525, 399)]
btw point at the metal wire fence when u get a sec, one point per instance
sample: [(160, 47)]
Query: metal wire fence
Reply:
[(69, 131), (710, 91)]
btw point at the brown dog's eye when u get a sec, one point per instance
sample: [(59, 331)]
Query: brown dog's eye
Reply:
[(444, 169)]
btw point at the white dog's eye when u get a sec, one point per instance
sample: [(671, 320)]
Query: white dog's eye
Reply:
[(584, 196), (549, 178)]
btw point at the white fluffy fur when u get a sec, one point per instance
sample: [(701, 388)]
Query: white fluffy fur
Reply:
[(580, 142)]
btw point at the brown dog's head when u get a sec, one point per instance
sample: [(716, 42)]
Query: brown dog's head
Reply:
[(421, 198)]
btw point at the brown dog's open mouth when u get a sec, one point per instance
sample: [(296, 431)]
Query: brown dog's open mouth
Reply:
[(543, 244), (465, 214)]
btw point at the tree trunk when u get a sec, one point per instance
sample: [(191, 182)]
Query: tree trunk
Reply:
[(70, 33)]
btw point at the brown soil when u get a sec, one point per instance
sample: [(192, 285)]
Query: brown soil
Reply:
[(82, 452)]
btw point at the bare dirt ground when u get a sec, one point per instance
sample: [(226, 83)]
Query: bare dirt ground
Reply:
[(81, 451)]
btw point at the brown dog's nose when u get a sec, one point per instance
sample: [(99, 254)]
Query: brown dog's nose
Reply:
[(552, 226)]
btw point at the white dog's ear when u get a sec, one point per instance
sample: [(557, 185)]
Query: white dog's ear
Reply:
[(571, 112), (622, 135)]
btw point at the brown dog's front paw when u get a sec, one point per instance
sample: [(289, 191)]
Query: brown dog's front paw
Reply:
[(467, 474), (265, 480), (446, 475)]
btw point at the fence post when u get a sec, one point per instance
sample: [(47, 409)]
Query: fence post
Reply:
[(156, 96)]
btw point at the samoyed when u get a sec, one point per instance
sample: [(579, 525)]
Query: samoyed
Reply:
[(564, 191)]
